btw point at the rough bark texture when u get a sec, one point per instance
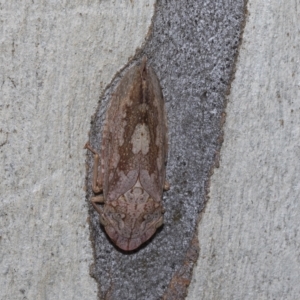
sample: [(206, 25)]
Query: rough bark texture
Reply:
[(249, 233), (56, 59), (192, 48), (56, 56)]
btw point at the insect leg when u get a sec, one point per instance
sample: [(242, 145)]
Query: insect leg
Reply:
[(99, 199), (97, 181), (166, 186)]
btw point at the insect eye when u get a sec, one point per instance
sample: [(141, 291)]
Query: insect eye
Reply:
[(118, 216), (148, 217)]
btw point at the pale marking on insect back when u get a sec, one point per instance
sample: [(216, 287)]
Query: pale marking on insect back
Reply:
[(140, 139)]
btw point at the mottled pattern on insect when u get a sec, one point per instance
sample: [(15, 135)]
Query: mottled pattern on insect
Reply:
[(133, 160)]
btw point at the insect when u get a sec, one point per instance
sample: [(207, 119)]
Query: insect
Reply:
[(133, 160)]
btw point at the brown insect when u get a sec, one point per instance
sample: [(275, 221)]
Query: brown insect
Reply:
[(133, 160)]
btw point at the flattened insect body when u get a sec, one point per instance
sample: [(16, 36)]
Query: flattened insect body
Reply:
[(133, 159)]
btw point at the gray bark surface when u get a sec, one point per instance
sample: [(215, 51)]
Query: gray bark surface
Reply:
[(249, 233), (56, 58)]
